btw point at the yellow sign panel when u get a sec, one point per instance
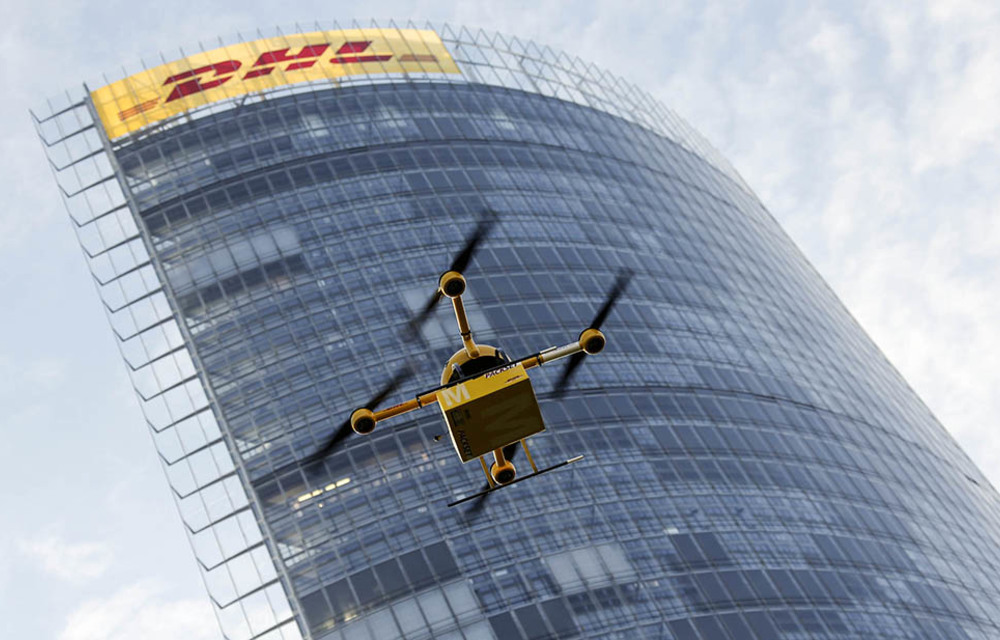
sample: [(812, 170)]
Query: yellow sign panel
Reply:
[(173, 88)]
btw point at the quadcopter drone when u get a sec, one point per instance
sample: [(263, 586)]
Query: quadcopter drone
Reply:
[(486, 398)]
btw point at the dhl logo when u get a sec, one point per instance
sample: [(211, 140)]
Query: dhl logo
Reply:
[(176, 87)]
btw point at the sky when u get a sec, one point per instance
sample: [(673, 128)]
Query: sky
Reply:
[(870, 130)]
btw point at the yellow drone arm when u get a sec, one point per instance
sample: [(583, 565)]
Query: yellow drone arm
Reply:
[(591, 341), (405, 407), (464, 329), (452, 285), (363, 420)]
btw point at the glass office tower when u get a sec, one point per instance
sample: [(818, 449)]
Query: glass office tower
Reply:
[(753, 466)]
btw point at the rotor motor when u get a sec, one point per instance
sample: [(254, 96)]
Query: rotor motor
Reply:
[(363, 421), (503, 473), (452, 284), (592, 341)]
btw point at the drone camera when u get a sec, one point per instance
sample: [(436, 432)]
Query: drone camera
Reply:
[(452, 284), (592, 341), (363, 421), (504, 473)]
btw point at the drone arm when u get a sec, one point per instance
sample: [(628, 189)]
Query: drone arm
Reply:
[(555, 353), (591, 341), (419, 402), (452, 285), (464, 329)]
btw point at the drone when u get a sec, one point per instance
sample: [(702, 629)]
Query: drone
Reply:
[(485, 397)]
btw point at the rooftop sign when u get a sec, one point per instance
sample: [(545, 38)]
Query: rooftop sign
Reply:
[(227, 72)]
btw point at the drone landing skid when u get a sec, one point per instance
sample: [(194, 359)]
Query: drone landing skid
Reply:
[(513, 482)]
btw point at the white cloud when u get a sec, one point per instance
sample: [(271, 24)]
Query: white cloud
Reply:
[(45, 372), (5, 563), (141, 611), (953, 88), (915, 197), (897, 31), (75, 562), (968, 12), (836, 46), (874, 138)]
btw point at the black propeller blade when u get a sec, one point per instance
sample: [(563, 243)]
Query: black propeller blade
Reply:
[(624, 276), (344, 430), (621, 282), (460, 263)]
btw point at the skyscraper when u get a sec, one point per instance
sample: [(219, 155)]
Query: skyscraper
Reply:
[(263, 218)]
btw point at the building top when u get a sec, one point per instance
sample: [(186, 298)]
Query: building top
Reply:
[(241, 71)]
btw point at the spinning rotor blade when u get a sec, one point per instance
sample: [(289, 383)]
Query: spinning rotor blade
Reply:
[(560, 386), (344, 430), (616, 291), (460, 263), (421, 317), (621, 282)]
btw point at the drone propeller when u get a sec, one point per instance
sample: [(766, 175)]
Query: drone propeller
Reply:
[(460, 262), (344, 430), (576, 359)]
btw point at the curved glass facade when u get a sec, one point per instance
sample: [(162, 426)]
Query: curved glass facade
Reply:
[(754, 467)]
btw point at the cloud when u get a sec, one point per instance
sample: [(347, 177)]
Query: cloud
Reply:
[(73, 562), (5, 564), (915, 159), (836, 46), (142, 611), (953, 100), (873, 137)]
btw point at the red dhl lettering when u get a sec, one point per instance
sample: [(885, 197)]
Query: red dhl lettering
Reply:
[(221, 70), (305, 58), (215, 75)]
